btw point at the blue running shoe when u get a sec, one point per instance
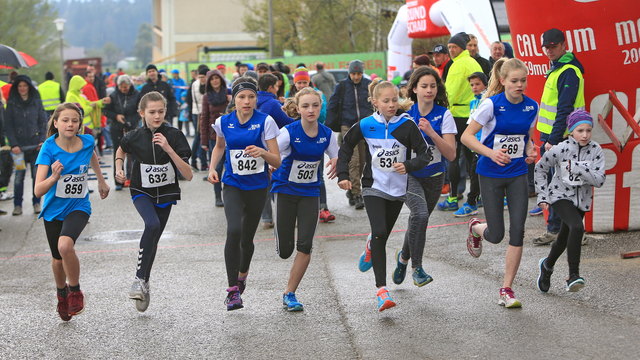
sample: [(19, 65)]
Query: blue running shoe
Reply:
[(535, 211), (384, 299), (365, 259), (449, 204), (233, 300), (401, 269), (290, 302), (420, 277), (466, 210)]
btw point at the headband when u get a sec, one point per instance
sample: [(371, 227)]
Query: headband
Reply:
[(244, 86)]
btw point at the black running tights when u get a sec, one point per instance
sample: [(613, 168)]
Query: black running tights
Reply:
[(155, 219), (569, 237), (382, 215)]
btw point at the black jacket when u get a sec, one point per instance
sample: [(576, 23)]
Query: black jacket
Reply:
[(349, 102), (167, 91), (25, 121), (123, 104), (138, 144), (2, 141), (484, 64)]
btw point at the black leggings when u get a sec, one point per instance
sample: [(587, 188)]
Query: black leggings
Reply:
[(242, 209), (155, 219), (493, 192), (289, 210), (382, 215), (471, 160), (71, 226), (569, 237)]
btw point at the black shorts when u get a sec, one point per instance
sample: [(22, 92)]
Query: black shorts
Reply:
[(71, 226)]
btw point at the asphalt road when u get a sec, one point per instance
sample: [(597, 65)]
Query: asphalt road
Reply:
[(454, 317)]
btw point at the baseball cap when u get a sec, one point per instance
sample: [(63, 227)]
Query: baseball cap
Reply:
[(552, 37), (175, 71), (439, 49)]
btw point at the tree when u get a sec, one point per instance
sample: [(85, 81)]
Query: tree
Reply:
[(144, 42), (27, 25)]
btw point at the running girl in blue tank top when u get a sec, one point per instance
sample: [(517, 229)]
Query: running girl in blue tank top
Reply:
[(62, 178)]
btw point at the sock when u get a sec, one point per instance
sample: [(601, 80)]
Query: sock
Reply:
[(74, 288), (62, 292), (242, 278)]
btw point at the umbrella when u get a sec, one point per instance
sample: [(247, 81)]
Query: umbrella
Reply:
[(10, 57), (27, 58)]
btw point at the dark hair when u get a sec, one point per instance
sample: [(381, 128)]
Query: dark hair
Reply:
[(48, 75), (422, 60), (280, 77), (417, 74), (51, 129), (266, 81), (319, 66), (479, 75), (301, 65), (262, 66)]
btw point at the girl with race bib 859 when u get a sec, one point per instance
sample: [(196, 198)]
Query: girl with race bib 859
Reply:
[(389, 134), (247, 139), (507, 118), (63, 164), (297, 183), (159, 153), (430, 112)]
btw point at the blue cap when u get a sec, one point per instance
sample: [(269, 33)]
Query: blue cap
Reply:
[(175, 71)]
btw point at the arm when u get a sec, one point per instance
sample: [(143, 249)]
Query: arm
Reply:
[(540, 177), (414, 139), (44, 183), (350, 140), (568, 86), (323, 110), (333, 107), (119, 165), (446, 143), (42, 124), (332, 152), (171, 104), (216, 156), (275, 111), (183, 167), (591, 172), (469, 139), (109, 110), (9, 131), (103, 188)]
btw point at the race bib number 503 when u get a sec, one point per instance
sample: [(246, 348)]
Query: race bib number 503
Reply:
[(304, 172), (245, 164)]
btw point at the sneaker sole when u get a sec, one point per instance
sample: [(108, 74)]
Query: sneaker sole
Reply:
[(514, 305), (142, 305), (540, 265), (536, 214), (465, 215), (294, 308), (575, 287), (236, 307), (77, 312), (422, 284), (388, 304)]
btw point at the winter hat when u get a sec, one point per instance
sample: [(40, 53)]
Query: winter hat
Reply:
[(301, 74), (578, 117), (252, 74), (356, 66), (461, 39), (151, 66), (422, 60)]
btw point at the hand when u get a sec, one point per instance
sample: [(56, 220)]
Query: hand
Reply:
[(103, 189), (426, 127), (344, 184), (399, 168), (213, 176), (120, 177), (254, 151), (532, 154), (106, 100), (547, 146), (16, 150), (120, 118), (544, 206), (500, 157), (204, 147), (56, 169), (333, 171), (161, 141)]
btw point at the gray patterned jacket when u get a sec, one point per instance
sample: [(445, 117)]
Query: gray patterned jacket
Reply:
[(577, 170)]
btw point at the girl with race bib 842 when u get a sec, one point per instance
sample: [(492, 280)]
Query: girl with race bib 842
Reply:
[(160, 152), (62, 176), (507, 118), (249, 138)]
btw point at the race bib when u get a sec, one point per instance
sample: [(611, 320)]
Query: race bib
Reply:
[(244, 164), (569, 178), (513, 143), (153, 176), (304, 172), (383, 159), (72, 186)]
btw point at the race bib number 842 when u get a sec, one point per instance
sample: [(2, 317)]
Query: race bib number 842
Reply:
[(245, 164)]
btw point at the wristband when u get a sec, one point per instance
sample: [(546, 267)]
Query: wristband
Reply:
[(119, 159)]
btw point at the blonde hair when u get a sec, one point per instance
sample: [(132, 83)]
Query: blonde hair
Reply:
[(307, 91), (150, 97), (290, 108), (51, 129), (501, 70), (378, 85)]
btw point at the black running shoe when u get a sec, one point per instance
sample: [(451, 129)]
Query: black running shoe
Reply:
[(544, 279)]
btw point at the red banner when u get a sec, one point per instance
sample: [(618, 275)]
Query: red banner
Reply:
[(419, 23)]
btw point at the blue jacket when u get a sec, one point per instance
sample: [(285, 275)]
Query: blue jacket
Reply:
[(179, 89), (349, 102), (269, 104), (568, 85)]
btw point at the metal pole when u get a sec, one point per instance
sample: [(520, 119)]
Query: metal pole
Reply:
[(271, 42), (63, 80)]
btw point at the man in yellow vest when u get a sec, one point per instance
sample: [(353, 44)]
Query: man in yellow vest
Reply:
[(51, 93), (563, 92)]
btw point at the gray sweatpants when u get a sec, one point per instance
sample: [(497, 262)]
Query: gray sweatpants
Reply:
[(493, 191)]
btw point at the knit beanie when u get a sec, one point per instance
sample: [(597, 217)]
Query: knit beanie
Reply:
[(151, 66), (461, 39), (356, 66), (301, 74), (578, 117)]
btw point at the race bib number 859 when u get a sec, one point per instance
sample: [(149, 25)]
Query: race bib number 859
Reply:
[(72, 186)]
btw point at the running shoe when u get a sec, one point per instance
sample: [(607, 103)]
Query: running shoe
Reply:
[(401, 269), (352, 199), (508, 299), (127, 183), (233, 300), (575, 283), (545, 239), (37, 208), (445, 189), (290, 302), (544, 278), (359, 202), (5, 195), (536, 211), (63, 305), (242, 284), (384, 299), (420, 277), (17, 210), (326, 216), (365, 259), (474, 242), (449, 204), (504, 202), (466, 210), (75, 301), (118, 187), (141, 293)]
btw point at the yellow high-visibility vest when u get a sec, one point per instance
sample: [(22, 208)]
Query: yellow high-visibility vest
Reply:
[(50, 94), (550, 95)]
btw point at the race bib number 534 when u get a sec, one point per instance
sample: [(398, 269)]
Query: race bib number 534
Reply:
[(513, 143), (245, 164), (383, 159)]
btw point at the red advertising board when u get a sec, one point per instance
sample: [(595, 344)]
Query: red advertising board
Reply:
[(419, 23)]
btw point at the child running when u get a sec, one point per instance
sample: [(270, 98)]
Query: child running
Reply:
[(579, 166), (62, 176), (429, 111), (506, 118), (296, 185), (160, 152), (388, 133), (248, 140)]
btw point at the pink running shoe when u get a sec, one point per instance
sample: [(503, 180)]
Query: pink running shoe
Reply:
[(474, 242)]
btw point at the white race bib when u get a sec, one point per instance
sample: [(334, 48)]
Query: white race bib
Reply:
[(383, 159), (513, 143), (244, 164), (304, 172), (72, 186), (153, 176), (569, 178)]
